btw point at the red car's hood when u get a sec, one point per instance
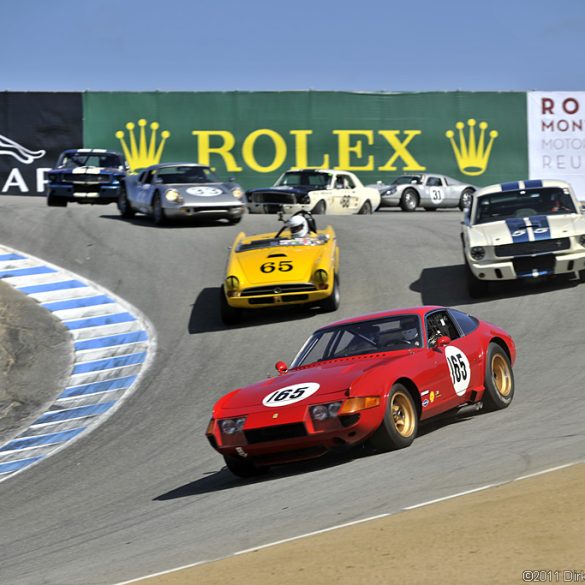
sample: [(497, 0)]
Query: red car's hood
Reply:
[(334, 376)]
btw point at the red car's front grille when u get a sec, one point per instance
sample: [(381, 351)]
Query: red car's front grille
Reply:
[(276, 433)]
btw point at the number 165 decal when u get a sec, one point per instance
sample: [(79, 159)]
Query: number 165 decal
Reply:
[(290, 394), (458, 368)]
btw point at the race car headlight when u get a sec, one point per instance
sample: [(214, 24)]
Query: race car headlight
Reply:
[(229, 426), (390, 191), (173, 196), (321, 276), (320, 412), (477, 252), (358, 403), (232, 283), (237, 193), (582, 240)]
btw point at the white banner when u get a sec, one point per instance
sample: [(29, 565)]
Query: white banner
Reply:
[(556, 137)]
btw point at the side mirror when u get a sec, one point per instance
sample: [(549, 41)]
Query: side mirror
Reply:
[(281, 367), (443, 341)]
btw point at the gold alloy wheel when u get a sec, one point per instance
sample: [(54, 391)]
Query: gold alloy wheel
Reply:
[(501, 375), (403, 414)]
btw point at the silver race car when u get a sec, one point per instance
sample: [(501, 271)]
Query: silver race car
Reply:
[(174, 190), (425, 190)]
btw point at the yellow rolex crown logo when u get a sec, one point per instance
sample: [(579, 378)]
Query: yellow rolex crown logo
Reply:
[(141, 152), (472, 153)]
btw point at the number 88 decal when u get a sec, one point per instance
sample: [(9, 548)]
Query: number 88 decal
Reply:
[(458, 368)]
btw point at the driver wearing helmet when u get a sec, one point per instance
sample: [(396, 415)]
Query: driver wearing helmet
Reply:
[(409, 330), (298, 226)]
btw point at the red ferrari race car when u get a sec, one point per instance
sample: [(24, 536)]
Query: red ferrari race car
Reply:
[(371, 378)]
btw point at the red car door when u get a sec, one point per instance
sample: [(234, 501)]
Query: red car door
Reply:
[(457, 365)]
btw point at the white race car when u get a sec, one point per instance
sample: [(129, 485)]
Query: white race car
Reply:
[(523, 230), (315, 190)]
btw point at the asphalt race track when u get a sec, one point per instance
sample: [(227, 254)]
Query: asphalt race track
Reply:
[(145, 492)]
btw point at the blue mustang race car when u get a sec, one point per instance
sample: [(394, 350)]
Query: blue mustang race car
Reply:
[(86, 175)]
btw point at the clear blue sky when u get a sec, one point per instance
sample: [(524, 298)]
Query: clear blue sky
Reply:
[(366, 45)]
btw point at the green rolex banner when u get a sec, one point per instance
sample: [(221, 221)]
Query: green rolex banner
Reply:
[(479, 138)]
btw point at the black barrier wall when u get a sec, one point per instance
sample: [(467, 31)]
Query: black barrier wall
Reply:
[(34, 129)]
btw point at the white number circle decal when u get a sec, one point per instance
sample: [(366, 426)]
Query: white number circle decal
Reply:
[(436, 195), (290, 394), (204, 191), (458, 368)]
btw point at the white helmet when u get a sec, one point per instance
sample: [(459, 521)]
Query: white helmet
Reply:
[(298, 226)]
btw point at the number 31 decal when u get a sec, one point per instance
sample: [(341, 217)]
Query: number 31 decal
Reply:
[(290, 394), (458, 368), (283, 266)]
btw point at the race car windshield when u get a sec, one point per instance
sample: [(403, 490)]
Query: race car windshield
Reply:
[(185, 175), (523, 203), (376, 336), (407, 180), (78, 159), (319, 240), (305, 178)]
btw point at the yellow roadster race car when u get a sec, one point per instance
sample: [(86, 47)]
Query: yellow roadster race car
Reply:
[(289, 267)]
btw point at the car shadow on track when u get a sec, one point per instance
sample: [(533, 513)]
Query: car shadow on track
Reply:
[(187, 222), (224, 480), (447, 286), (205, 315)]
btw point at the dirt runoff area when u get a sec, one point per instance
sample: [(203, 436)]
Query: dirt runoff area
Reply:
[(35, 359), (527, 531)]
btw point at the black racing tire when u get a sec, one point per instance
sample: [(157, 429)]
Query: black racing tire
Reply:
[(332, 302), (409, 200), (476, 288), (320, 208), (53, 201), (465, 200), (158, 213), (366, 208), (499, 379), (123, 204), (400, 424), (229, 315), (243, 467)]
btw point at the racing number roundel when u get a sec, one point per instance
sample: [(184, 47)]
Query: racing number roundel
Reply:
[(290, 394), (458, 368), (436, 194), (204, 191)]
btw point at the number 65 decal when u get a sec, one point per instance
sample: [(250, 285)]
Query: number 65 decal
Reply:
[(290, 394), (283, 266), (458, 368)]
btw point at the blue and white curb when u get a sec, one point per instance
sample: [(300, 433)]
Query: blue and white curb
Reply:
[(113, 346)]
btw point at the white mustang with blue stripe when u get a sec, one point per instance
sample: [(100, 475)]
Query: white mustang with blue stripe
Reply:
[(525, 229)]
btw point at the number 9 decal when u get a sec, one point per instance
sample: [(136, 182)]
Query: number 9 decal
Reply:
[(290, 394), (458, 368)]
